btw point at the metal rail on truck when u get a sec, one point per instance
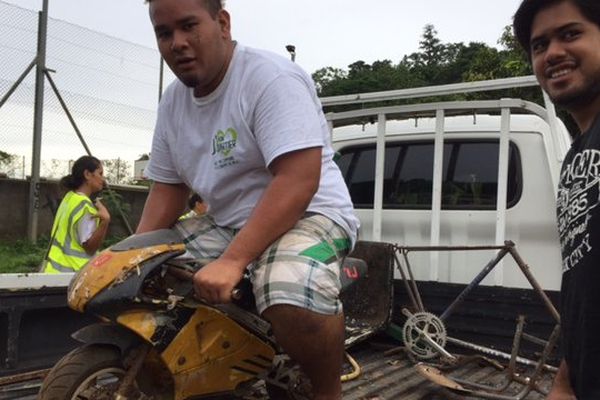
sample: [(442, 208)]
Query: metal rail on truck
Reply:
[(16, 282), (440, 109)]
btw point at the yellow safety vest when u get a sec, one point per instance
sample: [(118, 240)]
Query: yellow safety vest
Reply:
[(66, 253)]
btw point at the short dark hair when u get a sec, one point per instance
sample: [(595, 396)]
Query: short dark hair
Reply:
[(213, 6), (76, 178), (530, 8), (194, 198)]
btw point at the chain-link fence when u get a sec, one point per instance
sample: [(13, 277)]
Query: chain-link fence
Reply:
[(110, 87)]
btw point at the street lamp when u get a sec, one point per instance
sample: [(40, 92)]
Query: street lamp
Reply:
[(292, 50)]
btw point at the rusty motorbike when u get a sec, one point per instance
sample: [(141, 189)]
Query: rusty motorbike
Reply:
[(154, 340)]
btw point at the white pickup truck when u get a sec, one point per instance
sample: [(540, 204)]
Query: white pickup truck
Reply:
[(458, 173)]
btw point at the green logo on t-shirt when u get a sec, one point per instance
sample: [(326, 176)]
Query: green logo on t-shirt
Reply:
[(223, 146), (224, 142)]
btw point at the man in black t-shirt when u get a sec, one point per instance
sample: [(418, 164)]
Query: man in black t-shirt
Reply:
[(562, 39)]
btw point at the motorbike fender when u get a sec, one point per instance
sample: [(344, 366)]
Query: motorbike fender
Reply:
[(104, 333)]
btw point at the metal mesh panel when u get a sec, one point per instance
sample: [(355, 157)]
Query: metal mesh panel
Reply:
[(110, 87), (17, 50)]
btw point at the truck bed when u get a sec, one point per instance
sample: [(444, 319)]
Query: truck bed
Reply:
[(387, 373)]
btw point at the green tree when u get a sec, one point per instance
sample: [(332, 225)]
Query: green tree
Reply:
[(433, 52), (516, 62), (4, 157), (118, 171), (325, 76), (434, 63), (9, 164), (486, 63), (428, 63)]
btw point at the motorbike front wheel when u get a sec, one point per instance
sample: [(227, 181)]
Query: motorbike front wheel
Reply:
[(91, 372), (298, 387)]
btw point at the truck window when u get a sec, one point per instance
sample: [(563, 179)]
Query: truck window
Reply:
[(470, 174)]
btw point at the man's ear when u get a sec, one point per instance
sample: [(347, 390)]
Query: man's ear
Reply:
[(224, 20)]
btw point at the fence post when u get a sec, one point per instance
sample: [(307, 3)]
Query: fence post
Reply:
[(34, 184)]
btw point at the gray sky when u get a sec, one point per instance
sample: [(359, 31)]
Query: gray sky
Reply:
[(325, 32)]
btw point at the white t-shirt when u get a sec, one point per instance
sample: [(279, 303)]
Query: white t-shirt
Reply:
[(86, 227), (220, 145)]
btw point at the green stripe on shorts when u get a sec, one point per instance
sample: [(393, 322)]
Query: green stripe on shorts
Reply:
[(323, 252)]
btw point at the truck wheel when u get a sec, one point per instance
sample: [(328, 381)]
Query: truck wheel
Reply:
[(88, 372)]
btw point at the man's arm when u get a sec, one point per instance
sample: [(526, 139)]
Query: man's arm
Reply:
[(561, 387), (165, 203), (296, 177)]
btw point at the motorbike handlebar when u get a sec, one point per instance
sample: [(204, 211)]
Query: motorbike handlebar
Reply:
[(236, 293), (181, 274)]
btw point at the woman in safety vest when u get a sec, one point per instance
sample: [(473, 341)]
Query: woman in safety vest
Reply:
[(79, 226), (196, 205)]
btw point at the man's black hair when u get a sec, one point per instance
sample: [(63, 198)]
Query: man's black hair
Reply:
[(530, 8), (213, 6)]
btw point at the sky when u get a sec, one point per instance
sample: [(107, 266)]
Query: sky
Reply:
[(326, 33)]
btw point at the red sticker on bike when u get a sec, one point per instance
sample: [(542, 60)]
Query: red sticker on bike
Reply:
[(101, 259), (351, 272)]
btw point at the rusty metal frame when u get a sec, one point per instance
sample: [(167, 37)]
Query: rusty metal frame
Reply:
[(466, 387)]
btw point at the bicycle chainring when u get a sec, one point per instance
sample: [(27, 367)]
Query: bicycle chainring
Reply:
[(423, 323)]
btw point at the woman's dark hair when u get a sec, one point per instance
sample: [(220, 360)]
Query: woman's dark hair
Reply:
[(76, 178), (195, 198), (528, 9)]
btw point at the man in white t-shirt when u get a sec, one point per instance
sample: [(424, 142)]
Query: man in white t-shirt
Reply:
[(244, 129)]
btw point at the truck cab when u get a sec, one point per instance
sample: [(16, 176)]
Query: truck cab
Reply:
[(457, 173)]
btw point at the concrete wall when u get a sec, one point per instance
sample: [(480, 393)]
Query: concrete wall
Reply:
[(14, 203)]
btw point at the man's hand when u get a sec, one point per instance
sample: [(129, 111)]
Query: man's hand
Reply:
[(558, 394), (215, 282), (561, 387)]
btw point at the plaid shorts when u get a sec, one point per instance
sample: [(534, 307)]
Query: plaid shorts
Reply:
[(301, 268)]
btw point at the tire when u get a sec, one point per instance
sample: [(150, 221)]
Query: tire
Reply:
[(277, 393), (298, 387), (73, 377)]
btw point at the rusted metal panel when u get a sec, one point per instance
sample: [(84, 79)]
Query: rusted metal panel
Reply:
[(368, 304)]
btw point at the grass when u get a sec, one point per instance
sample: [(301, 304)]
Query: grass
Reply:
[(23, 256)]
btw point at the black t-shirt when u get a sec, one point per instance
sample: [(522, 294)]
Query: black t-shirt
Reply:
[(578, 212)]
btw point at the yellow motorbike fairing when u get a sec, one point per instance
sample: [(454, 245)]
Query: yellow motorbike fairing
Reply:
[(142, 322), (212, 354), (209, 354), (110, 268)]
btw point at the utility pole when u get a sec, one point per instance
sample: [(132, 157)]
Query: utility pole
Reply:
[(161, 78), (292, 50), (38, 115)]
